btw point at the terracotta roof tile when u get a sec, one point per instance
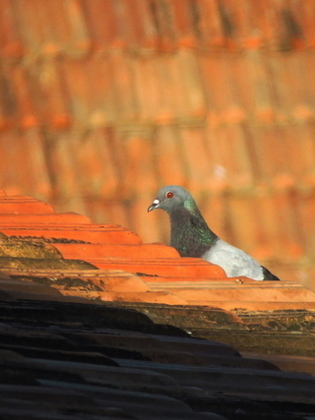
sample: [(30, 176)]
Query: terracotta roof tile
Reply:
[(82, 232), (23, 205), (71, 35), (168, 267), (148, 297), (94, 159), (138, 148), (241, 293), (125, 101), (191, 97), (33, 37), (151, 251), (170, 168), (51, 219), (215, 77), (101, 23), (23, 111), (150, 88), (156, 27), (15, 179), (181, 19), (209, 26), (11, 45), (74, 76), (200, 153)]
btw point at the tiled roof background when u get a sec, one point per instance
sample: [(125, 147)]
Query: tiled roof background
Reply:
[(104, 101)]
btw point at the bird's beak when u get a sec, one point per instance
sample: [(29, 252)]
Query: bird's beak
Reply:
[(154, 205)]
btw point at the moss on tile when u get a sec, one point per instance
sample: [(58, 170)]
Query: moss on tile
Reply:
[(27, 248), (48, 263), (65, 283), (50, 240)]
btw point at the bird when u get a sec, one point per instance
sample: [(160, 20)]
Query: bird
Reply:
[(192, 237)]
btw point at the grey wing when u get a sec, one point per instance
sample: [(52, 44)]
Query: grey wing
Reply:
[(234, 261)]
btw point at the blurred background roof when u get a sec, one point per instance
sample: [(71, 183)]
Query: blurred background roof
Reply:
[(102, 102)]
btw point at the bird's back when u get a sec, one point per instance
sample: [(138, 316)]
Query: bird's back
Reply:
[(234, 261)]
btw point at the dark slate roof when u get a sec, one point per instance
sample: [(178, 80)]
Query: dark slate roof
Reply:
[(62, 360)]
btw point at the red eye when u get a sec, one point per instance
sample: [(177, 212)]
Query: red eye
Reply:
[(169, 194)]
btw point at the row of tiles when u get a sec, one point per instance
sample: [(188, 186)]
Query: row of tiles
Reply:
[(140, 93), (116, 166), (112, 285), (76, 27)]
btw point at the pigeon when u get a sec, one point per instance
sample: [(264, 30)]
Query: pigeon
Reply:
[(192, 237)]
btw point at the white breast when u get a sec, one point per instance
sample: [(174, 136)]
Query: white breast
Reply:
[(234, 261)]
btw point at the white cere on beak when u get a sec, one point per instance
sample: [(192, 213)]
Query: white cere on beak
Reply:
[(156, 201)]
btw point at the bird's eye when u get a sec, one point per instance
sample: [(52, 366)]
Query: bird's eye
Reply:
[(169, 194)]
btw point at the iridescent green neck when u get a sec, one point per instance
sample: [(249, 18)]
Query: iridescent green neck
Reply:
[(190, 234)]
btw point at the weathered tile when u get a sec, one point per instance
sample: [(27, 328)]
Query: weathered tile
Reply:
[(23, 205), (11, 43), (109, 234), (166, 267)]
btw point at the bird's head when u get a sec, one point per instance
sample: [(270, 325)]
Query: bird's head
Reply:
[(172, 197)]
